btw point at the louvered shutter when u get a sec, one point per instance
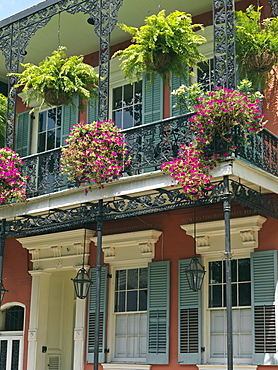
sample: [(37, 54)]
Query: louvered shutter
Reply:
[(92, 111), (175, 83), (70, 116), (152, 100), (264, 280), (158, 313), (23, 132), (189, 320), (91, 314)]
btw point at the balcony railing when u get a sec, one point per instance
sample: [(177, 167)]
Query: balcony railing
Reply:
[(150, 145)]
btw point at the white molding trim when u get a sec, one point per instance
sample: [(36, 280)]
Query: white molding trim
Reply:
[(224, 367), (210, 235), (125, 366), (137, 245), (58, 251)]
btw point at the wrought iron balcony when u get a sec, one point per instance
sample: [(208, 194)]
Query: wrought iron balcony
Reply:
[(150, 145)]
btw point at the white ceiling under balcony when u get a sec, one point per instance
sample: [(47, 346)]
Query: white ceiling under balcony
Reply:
[(79, 37)]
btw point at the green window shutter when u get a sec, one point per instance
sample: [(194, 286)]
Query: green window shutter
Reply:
[(23, 132), (264, 280), (91, 315), (189, 320), (152, 109), (175, 83), (92, 110), (158, 313), (70, 116)]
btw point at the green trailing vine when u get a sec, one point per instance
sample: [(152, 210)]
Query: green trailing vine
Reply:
[(3, 117)]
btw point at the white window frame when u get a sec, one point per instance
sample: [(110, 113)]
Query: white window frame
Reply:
[(206, 313)]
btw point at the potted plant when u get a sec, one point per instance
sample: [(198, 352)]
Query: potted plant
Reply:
[(12, 181), (164, 44), (256, 45), (217, 113), (95, 153), (57, 79)]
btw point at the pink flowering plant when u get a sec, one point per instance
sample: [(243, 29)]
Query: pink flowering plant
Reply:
[(218, 112), (12, 181), (95, 153)]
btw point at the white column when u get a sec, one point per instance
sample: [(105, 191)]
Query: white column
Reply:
[(79, 334), (37, 334)]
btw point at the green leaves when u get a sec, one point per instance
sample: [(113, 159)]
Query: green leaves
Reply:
[(60, 75), (164, 44), (256, 45), (3, 115)]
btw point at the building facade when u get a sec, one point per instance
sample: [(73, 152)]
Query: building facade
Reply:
[(144, 313)]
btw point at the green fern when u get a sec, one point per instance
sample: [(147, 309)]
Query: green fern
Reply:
[(63, 76), (164, 44)]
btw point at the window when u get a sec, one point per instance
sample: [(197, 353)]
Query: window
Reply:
[(205, 74), (241, 301), (127, 105), (49, 129), (11, 338)]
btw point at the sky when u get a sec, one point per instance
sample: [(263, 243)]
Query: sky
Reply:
[(11, 7)]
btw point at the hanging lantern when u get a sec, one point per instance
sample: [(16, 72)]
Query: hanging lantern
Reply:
[(195, 273), (82, 283)]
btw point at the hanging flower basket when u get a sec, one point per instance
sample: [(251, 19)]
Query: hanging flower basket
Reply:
[(12, 181), (96, 153), (57, 79), (217, 115)]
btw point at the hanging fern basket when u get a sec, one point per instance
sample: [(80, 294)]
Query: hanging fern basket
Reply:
[(54, 97), (160, 62), (262, 62)]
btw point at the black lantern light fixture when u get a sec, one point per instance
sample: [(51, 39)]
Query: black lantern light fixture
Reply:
[(82, 281), (2, 291), (195, 272)]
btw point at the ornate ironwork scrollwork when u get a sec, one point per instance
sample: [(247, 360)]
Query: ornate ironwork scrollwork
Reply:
[(224, 43)]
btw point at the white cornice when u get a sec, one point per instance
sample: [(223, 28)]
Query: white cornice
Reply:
[(128, 246)]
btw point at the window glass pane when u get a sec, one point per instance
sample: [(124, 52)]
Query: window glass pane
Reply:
[(117, 118), (234, 295), (120, 301), (41, 142), (215, 272), (42, 121), (58, 137), (143, 300), (117, 97), (51, 118), (244, 294), (128, 95), (215, 296), (132, 279), (138, 92), (137, 115), (59, 117), (244, 269), (50, 139), (234, 270), (132, 300), (120, 279), (128, 117), (143, 276)]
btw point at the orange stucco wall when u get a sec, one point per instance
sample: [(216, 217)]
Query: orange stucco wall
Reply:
[(174, 245), (18, 282)]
